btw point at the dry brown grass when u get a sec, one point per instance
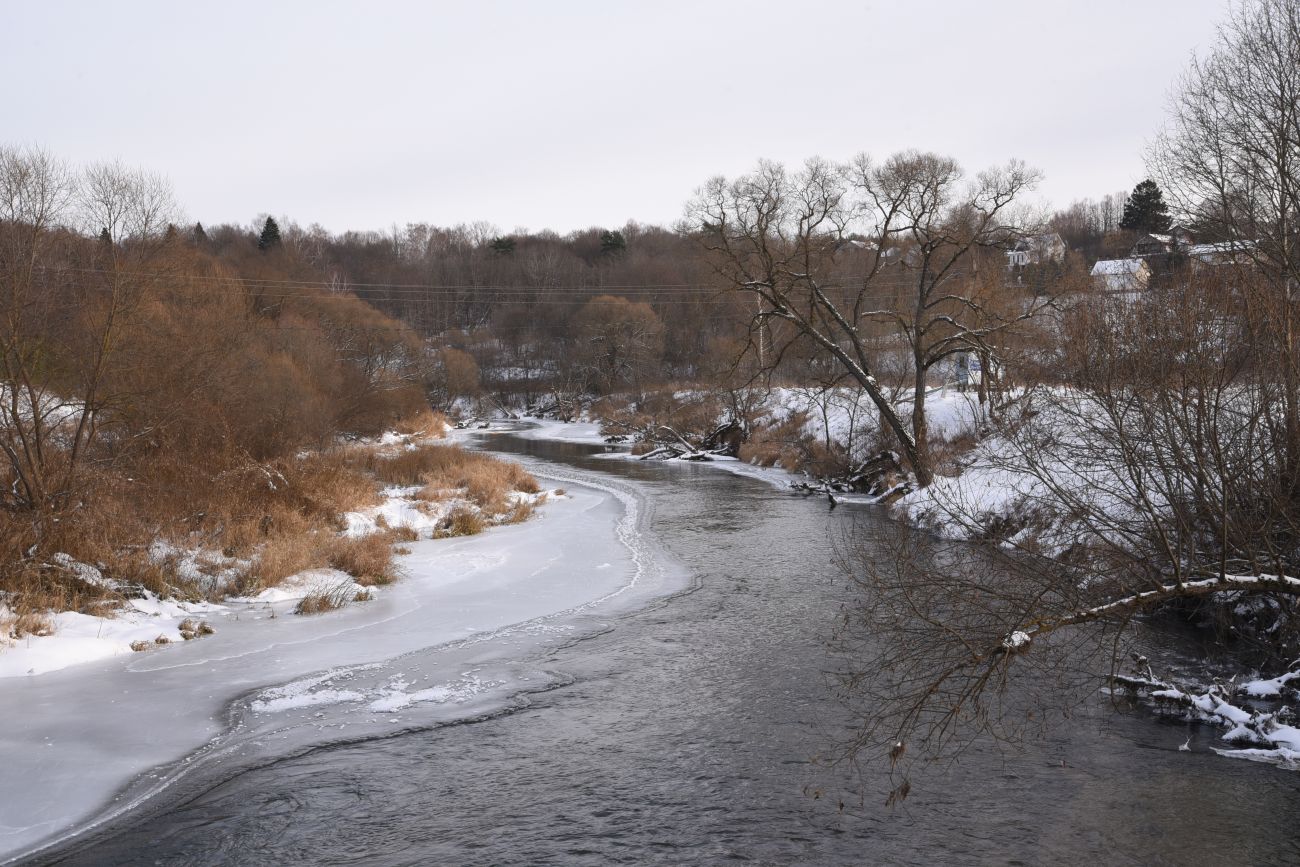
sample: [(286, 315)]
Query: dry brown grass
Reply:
[(328, 599), (368, 559), (405, 468), (403, 534), (462, 521), (281, 515), (947, 454), (30, 623), (426, 422), (522, 510), (771, 453), (786, 445), (449, 470), (329, 483), (286, 552), (489, 485)]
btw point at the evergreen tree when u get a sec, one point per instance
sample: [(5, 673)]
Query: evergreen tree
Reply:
[(503, 245), (1145, 209), (200, 236), (105, 238), (612, 242), (270, 238)]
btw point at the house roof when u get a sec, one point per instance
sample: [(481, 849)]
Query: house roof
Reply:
[(1045, 240), (1114, 267), (1199, 250)]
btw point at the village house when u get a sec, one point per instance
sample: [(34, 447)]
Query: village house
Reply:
[(1036, 249), (1121, 275), (1177, 240), (1223, 253)]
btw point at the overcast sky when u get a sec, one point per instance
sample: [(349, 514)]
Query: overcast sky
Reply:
[(571, 114)]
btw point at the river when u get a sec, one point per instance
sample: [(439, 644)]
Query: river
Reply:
[(684, 731)]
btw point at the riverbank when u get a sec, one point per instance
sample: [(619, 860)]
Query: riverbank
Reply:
[(696, 730), (418, 653), (404, 487), (791, 424), (1005, 489)]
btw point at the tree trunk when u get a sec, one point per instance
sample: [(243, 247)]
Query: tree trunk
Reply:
[(920, 428)]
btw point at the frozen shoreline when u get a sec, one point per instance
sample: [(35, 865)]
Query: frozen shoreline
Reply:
[(427, 649), (950, 413), (588, 433)]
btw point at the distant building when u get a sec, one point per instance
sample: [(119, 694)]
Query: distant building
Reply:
[(1036, 249), (1177, 240), (1223, 253), (1121, 275)]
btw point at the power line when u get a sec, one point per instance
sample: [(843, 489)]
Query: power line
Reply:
[(686, 294)]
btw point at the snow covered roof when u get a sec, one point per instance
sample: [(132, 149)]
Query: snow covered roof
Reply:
[(1112, 267), (1221, 247)]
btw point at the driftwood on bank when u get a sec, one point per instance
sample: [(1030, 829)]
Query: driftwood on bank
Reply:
[(558, 405), (880, 478), (672, 445), (668, 443)]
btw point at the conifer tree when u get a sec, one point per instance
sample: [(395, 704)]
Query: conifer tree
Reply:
[(612, 242), (270, 238), (1145, 210), (200, 236)]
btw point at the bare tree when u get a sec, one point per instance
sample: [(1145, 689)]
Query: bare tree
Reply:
[(1162, 478), (1157, 480), (617, 340), (36, 192), (783, 237), (65, 315), (1230, 158)]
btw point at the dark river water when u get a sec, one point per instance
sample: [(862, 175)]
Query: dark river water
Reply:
[(686, 733)]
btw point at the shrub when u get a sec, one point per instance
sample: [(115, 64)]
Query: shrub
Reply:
[(368, 559), (286, 552), (442, 469), (328, 599), (462, 521), (521, 511), (426, 422), (30, 623)]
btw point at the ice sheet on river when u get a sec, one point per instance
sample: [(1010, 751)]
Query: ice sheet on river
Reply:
[(439, 644)]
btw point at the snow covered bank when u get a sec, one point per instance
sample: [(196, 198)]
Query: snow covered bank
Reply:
[(147, 623), (839, 418), (1049, 449), (138, 620), (76, 638), (420, 651)]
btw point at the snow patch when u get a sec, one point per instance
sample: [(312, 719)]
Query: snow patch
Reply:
[(78, 638)]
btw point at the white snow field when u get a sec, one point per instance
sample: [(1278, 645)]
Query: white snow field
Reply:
[(84, 744)]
